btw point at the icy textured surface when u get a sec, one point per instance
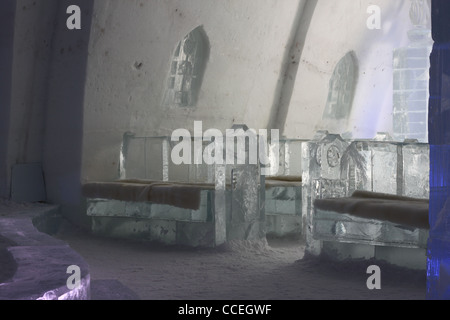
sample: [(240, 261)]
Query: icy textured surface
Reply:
[(247, 204), (342, 88), (411, 78), (150, 158), (439, 243), (235, 208), (416, 168), (289, 153), (335, 168), (439, 136), (186, 69), (283, 200), (411, 94), (41, 259), (385, 162), (220, 203), (148, 210), (331, 226), (283, 225), (144, 158), (169, 232), (162, 231), (322, 177), (283, 204)]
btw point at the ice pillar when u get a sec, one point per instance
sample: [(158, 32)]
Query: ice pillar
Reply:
[(411, 77), (220, 213), (438, 263)]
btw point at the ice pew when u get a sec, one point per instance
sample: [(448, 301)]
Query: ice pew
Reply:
[(283, 197), (194, 205), (335, 168), (283, 206), (373, 218)]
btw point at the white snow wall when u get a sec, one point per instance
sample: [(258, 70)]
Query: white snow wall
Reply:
[(338, 27), (248, 43), (270, 65)]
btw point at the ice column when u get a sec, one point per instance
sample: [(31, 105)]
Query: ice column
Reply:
[(247, 205), (165, 158), (322, 178), (411, 77), (220, 213), (438, 263)]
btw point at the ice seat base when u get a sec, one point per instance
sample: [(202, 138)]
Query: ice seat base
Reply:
[(374, 219)]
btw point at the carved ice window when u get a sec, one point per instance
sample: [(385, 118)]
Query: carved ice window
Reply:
[(186, 69), (342, 88)]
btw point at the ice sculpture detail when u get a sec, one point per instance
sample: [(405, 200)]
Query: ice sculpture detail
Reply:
[(411, 77), (231, 196), (341, 93), (336, 168), (186, 70)]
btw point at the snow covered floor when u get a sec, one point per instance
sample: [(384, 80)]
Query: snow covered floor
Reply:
[(277, 270)]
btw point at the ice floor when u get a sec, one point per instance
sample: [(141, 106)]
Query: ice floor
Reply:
[(274, 270)]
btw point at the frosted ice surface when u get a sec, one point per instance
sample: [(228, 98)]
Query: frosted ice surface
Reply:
[(335, 168), (383, 136), (411, 83), (220, 206), (145, 158), (438, 262), (245, 194), (416, 171), (148, 210), (438, 268), (283, 200), (346, 228), (247, 204), (284, 157), (384, 167)]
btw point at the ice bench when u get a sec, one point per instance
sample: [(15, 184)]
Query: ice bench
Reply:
[(185, 207), (190, 204), (373, 218), (283, 206), (375, 172), (283, 197), (169, 213)]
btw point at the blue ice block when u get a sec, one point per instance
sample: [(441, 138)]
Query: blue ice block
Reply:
[(438, 262), (439, 107)]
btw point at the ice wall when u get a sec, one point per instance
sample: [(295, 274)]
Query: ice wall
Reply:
[(7, 13), (439, 136)]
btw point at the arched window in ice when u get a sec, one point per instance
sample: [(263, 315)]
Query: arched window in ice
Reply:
[(186, 69), (342, 89)]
